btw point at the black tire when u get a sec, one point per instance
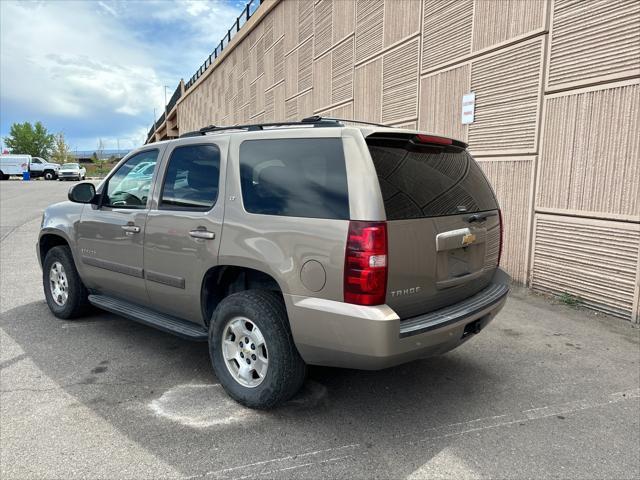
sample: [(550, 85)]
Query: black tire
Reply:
[(49, 175), (76, 303), (286, 370), (3, 176)]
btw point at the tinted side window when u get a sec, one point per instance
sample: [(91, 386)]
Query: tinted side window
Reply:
[(192, 178), (430, 182), (127, 188), (294, 177)]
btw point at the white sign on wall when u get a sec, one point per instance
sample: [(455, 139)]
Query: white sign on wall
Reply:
[(468, 107)]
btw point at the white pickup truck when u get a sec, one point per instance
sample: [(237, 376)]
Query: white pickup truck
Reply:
[(39, 167), (15, 165)]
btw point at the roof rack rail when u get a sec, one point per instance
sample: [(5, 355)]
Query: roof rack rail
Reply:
[(314, 121), (350, 121), (311, 121)]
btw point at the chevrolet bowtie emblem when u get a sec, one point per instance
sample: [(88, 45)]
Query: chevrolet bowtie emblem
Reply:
[(468, 239)]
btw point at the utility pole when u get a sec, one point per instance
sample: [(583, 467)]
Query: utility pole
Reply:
[(118, 140)]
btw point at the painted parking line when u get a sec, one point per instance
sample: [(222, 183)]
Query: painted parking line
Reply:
[(305, 460)]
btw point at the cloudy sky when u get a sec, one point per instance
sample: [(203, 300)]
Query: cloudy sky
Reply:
[(96, 69)]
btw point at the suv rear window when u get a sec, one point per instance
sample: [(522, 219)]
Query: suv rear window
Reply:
[(303, 177), (428, 181)]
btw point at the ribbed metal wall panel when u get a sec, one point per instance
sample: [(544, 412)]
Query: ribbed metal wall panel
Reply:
[(269, 64), (400, 82), (274, 103), (299, 107), (257, 96), (591, 163), (368, 91), (592, 41), (342, 72), (305, 64), (401, 20), (344, 15), (511, 180), (305, 105), (593, 259), (305, 21), (441, 102), (369, 28), (290, 25), (333, 76), (323, 33), (507, 86), (343, 111), (446, 31), (362, 59), (291, 72), (495, 22), (322, 80)]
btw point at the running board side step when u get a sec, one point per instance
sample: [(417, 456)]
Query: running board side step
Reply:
[(161, 321)]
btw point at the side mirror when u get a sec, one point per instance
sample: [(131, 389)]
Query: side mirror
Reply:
[(83, 193)]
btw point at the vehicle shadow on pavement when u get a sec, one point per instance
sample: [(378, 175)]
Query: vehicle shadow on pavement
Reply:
[(151, 385)]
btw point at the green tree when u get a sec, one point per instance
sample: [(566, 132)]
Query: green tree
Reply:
[(61, 152), (28, 139)]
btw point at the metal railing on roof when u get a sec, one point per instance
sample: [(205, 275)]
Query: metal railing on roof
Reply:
[(174, 99), (250, 8), (160, 120)]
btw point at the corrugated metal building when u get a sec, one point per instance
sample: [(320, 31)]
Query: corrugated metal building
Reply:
[(557, 111)]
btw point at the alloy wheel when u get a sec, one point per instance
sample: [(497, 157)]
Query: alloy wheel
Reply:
[(245, 352), (58, 284)]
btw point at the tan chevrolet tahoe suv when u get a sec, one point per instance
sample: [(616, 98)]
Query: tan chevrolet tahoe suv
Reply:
[(320, 242)]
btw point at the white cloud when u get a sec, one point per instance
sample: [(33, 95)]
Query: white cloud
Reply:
[(66, 65), (195, 8), (208, 19), (83, 64), (108, 8)]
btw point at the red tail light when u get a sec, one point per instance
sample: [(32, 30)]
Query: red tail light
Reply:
[(365, 264), (501, 236)]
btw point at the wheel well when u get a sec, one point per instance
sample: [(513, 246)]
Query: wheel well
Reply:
[(48, 241), (221, 281)]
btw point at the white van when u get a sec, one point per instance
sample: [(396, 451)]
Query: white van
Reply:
[(13, 165)]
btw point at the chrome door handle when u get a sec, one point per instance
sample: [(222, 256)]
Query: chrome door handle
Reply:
[(204, 234), (131, 228)]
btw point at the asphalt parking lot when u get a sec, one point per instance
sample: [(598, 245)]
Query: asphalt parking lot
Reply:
[(546, 391)]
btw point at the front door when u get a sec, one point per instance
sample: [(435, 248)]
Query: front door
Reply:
[(110, 235), (183, 230)]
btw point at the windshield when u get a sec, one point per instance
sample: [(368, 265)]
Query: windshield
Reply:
[(70, 166)]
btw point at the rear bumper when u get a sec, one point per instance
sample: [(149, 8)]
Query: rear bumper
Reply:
[(338, 334)]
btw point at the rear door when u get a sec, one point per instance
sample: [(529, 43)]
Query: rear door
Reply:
[(184, 227), (442, 221)]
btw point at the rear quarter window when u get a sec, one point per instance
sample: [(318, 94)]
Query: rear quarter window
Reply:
[(300, 177), (430, 182)]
